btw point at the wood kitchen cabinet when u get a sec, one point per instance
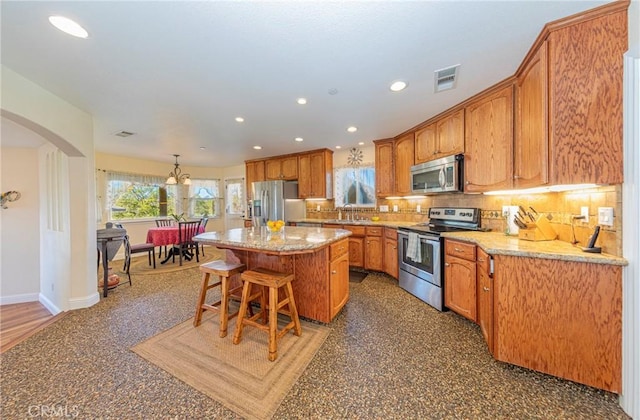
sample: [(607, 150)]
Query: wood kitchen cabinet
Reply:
[(488, 162), (390, 247), (339, 276), (356, 242), (315, 174), (373, 248), (484, 290), (441, 138), (403, 154), (563, 318), (282, 168), (460, 278), (531, 142), (385, 178), (254, 172)]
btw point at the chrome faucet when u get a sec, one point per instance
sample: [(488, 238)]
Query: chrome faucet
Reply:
[(351, 211)]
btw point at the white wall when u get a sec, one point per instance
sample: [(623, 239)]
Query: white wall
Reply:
[(20, 227), (70, 130)]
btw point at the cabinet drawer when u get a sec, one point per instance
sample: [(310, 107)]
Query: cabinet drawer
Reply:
[(391, 233), (356, 230), (339, 248), (483, 261), (374, 231), (460, 249)]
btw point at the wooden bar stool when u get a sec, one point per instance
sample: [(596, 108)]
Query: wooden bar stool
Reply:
[(274, 281), (225, 270)]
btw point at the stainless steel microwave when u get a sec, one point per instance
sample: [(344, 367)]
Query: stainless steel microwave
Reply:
[(438, 176)]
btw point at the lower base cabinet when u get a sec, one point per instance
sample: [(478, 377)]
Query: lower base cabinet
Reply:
[(484, 290), (339, 283)]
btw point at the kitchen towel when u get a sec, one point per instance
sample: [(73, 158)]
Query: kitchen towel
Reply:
[(413, 248)]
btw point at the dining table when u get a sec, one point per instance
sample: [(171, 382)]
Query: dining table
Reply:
[(168, 236)]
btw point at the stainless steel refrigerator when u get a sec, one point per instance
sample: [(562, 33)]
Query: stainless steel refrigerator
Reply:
[(276, 200)]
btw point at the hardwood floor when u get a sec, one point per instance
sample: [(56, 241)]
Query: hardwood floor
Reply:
[(20, 321)]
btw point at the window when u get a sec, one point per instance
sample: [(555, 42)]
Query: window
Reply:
[(355, 185), (133, 196), (235, 196), (204, 198)]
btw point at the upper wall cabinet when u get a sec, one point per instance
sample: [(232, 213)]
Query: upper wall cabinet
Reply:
[(489, 141), (282, 168), (315, 171), (254, 173), (403, 153), (385, 179), (531, 142), (585, 98), (442, 138)]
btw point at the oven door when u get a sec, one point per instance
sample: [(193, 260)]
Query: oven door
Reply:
[(428, 269)]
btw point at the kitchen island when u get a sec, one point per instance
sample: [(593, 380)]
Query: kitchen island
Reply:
[(319, 259)]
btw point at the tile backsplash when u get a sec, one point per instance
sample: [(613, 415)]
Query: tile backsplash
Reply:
[(560, 207)]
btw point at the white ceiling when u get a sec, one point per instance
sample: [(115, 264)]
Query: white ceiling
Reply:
[(177, 73)]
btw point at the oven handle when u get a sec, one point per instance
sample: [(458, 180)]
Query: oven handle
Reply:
[(430, 239)]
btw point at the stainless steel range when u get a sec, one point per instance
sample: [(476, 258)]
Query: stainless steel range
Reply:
[(421, 251)]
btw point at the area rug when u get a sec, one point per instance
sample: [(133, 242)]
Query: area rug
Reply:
[(140, 264), (238, 376)]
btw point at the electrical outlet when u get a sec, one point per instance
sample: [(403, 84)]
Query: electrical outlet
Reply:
[(395, 207), (605, 216), (384, 209), (584, 211)]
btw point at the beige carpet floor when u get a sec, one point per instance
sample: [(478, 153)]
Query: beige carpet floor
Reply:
[(238, 376)]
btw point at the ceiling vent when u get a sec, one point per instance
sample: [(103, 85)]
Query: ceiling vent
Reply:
[(446, 79), (124, 133)]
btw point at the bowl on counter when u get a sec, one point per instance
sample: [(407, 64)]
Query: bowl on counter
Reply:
[(375, 218)]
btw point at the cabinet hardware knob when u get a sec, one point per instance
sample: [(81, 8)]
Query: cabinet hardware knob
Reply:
[(467, 182), (334, 272), (447, 264), (486, 289), (480, 259), (517, 177), (457, 249)]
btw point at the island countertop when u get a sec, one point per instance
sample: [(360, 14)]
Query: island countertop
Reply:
[(291, 240)]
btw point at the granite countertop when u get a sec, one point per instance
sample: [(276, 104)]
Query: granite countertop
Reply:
[(362, 222), (496, 243), (291, 240)]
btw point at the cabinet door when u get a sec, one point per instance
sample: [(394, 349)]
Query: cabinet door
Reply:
[(272, 169), (385, 181), (254, 173), (373, 253), (391, 257), (485, 298), (305, 188), (403, 152), (531, 142), (426, 144), (339, 284), (356, 251), (488, 163), (450, 132), (460, 286), (289, 167)]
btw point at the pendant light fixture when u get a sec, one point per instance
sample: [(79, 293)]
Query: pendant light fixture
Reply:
[(177, 176)]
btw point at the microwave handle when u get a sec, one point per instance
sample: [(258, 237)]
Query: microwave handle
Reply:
[(442, 179)]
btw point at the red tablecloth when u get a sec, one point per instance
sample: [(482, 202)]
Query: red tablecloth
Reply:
[(165, 235)]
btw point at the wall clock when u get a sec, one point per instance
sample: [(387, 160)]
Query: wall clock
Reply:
[(355, 157)]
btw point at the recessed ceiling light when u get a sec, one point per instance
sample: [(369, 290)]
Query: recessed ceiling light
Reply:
[(361, 143), (302, 101), (299, 139), (352, 129), (239, 119), (397, 86), (68, 26), (338, 147), (202, 148), (257, 147)]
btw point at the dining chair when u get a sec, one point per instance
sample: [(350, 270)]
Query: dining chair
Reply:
[(149, 248), (186, 244), (203, 227), (162, 223)]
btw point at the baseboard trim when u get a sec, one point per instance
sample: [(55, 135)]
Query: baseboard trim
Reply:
[(84, 302), (49, 305), (23, 298)]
